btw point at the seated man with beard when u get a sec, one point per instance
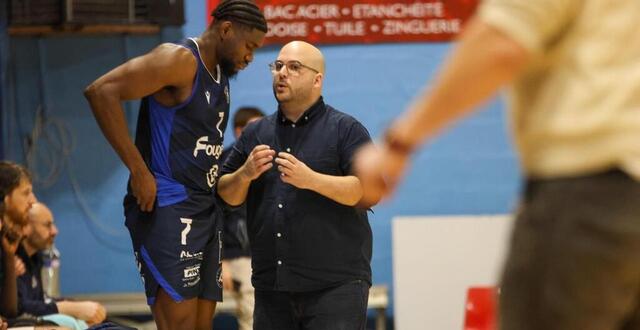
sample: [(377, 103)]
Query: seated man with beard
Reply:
[(40, 233), (16, 198)]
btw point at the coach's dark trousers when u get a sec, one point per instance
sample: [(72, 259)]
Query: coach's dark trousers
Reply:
[(339, 308)]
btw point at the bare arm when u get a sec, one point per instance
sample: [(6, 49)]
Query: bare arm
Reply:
[(345, 190), (89, 311), (484, 60), (233, 187), (165, 66)]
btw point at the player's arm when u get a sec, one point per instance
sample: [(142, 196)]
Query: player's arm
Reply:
[(166, 66), (233, 187)]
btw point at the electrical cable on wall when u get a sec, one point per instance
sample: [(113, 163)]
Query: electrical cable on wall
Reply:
[(60, 143), (48, 162)]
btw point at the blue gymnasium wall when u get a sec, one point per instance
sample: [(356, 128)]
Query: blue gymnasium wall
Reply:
[(471, 169), (48, 121)]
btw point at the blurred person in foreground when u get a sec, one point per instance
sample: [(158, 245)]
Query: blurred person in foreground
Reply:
[(573, 69)]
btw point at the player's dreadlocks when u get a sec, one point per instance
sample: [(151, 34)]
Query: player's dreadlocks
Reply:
[(244, 12)]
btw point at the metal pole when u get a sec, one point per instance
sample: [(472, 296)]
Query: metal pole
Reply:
[(68, 8), (132, 11), (4, 45)]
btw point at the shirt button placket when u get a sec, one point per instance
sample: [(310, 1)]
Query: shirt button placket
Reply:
[(279, 235)]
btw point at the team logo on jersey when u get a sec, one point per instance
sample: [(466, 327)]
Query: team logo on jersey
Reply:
[(191, 272), (221, 116), (219, 277), (186, 255), (226, 93), (189, 284), (208, 95), (212, 176), (139, 264), (202, 144)]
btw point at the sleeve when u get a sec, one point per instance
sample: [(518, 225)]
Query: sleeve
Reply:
[(531, 23), (26, 304), (353, 137)]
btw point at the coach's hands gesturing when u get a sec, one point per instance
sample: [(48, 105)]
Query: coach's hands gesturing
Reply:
[(294, 172), (259, 160), (233, 187)]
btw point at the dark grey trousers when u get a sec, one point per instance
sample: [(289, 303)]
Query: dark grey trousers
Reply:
[(339, 308), (574, 260)]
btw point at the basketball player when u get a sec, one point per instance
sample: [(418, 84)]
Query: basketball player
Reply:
[(169, 207)]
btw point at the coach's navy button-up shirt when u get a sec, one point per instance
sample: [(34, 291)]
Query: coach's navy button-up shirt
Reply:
[(301, 240)]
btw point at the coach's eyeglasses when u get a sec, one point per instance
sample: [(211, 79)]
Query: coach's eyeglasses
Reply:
[(293, 67)]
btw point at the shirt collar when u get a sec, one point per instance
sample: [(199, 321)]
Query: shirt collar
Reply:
[(314, 111)]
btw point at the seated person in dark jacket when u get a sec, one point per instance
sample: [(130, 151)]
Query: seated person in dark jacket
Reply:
[(39, 235)]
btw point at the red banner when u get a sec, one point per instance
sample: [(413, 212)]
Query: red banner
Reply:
[(362, 21)]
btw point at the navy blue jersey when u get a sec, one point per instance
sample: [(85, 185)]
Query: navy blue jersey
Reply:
[(182, 144)]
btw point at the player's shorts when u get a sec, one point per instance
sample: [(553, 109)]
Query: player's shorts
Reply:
[(178, 247)]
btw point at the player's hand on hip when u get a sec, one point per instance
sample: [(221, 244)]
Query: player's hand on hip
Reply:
[(143, 185), (259, 160), (294, 171)]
